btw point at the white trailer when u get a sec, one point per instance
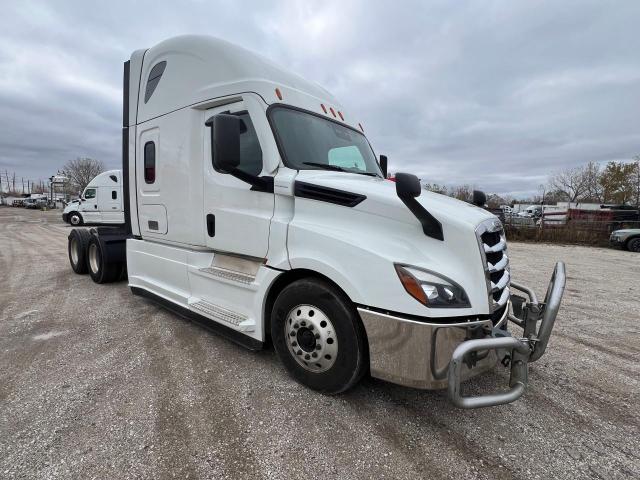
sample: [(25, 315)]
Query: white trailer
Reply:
[(100, 202), (254, 204)]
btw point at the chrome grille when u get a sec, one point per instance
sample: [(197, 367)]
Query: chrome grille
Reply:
[(493, 250)]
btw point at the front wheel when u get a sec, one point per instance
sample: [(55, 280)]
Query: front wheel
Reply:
[(75, 219), (318, 336), (634, 245)]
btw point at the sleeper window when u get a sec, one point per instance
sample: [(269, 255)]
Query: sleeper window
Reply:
[(149, 162), (114, 195), (154, 79)]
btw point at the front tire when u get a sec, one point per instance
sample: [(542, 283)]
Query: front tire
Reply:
[(75, 219), (318, 336), (101, 271), (633, 245)]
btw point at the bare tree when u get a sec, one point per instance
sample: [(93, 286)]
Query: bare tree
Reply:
[(81, 171), (593, 189), (436, 188), (573, 182), (462, 192)]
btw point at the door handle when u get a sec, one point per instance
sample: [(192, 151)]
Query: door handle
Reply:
[(211, 225)]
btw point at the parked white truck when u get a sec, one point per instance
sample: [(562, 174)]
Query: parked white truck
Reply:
[(254, 204), (100, 202)]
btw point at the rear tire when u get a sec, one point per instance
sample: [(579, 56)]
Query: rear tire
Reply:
[(318, 336), (75, 219), (77, 250), (101, 271), (633, 245)]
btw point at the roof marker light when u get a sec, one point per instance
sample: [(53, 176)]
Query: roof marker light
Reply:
[(333, 112), (324, 109), (341, 116), (278, 94), (360, 125)]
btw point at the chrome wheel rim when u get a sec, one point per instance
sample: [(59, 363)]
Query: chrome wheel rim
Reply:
[(75, 219), (93, 257), (75, 255), (311, 338)]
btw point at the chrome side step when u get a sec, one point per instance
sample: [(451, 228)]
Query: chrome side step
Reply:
[(216, 312)]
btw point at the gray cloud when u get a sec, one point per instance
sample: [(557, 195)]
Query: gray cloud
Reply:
[(496, 94)]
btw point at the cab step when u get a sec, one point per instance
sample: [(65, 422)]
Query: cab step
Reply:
[(230, 275), (240, 322)]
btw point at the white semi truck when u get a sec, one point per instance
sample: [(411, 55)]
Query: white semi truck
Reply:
[(100, 202), (254, 204)]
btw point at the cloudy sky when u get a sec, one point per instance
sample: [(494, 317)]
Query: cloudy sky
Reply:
[(498, 94)]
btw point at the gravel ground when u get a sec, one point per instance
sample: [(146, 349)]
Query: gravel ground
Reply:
[(98, 383)]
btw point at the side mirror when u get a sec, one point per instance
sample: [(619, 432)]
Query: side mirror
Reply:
[(383, 165), (225, 141), (479, 198), (407, 185)]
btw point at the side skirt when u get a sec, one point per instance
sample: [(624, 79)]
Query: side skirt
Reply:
[(230, 334)]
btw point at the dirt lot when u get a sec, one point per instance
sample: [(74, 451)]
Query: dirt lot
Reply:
[(97, 383)]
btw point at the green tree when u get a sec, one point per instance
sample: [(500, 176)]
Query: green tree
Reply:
[(618, 182)]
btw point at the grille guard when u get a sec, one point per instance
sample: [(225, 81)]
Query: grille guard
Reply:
[(517, 351)]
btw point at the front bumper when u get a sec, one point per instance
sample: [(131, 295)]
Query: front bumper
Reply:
[(616, 242), (435, 355)]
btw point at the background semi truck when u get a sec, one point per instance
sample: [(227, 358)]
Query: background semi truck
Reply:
[(100, 202), (254, 204)]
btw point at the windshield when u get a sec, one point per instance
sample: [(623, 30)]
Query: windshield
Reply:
[(310, 142)]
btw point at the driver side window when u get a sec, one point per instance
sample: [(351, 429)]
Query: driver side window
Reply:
[(90, 193)]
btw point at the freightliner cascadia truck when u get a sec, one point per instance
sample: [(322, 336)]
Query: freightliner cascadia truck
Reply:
[(100, 202), (254, 204)]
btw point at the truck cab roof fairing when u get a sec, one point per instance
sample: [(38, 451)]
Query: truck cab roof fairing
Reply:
[(200, 68)]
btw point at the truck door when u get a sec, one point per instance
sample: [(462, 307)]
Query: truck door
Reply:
[(237, 218), (109, 204), (89, 205)]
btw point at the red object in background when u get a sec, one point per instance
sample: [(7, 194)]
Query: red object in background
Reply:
[(393, 179)]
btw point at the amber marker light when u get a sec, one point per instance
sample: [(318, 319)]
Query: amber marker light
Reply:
[(341, 116), (278, 94), (411, 285), (333, 112), (324, 109)]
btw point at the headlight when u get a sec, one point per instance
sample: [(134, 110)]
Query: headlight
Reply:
[(431, 289)]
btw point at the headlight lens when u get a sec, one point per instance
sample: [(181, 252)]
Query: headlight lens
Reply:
[(430, 289)]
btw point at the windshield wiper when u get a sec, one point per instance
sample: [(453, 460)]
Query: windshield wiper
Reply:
[(337, 168), (326, 166)]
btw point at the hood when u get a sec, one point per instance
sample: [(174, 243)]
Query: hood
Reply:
[(627, 230), (382, 199)]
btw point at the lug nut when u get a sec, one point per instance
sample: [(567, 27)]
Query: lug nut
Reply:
[(292, 334), (299, 352), (303, 323), (318, 347), (295, 325), (295, 344), (314, 355), (310, 326), (307, 357), (317, 336)]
